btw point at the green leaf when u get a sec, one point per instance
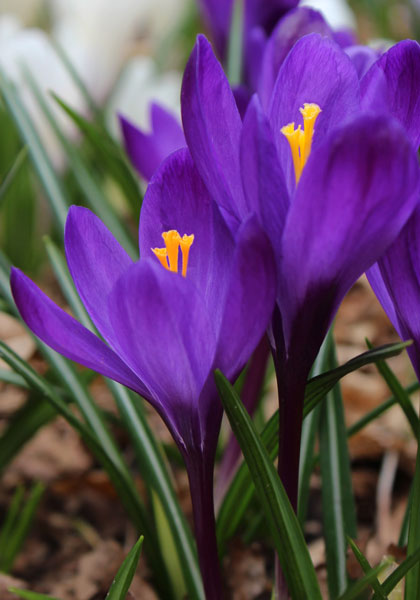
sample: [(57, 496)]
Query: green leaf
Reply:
[(124, 577), (284, 526), (89, 186), (412, 582), (318, 387), (339, 515), (13, 172), (118, 474), (34, 414), (27, 595), (54, 189), (235, 48), (399, 393), (355, 590), (364, 563), (17, 526), (241, 490), (112, 157), (396, 576)]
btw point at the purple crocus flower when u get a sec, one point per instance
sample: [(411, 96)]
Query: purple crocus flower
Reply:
[(262, 14), (148, 150), (332, 196), (166, 331), (394, 81)]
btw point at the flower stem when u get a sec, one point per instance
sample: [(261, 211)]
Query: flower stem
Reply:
[(200, 475)]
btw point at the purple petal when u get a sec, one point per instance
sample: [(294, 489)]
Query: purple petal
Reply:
[(148, 150), (395, 280), (212, 126), (96, 260), (166, 337), (356, 193), (65, 335), (177, 199), (263, 180), (345, 38), (296, 24), (316, 70), (362, 58), (249, 302), (392, 84)]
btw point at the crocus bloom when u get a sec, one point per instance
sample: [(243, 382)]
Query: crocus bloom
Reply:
[(166, 331), (148, 150), (328, 221), (257, 13)]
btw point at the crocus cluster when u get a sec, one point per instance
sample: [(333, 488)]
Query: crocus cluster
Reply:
[(263, 222)]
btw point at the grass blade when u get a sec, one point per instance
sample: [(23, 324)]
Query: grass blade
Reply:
[(284, 526), (124, 577), (13, 172), (399, 393), (17, 533), (235, 47), (92, 191), (35, 413), (27, 595), (364, 563), (355, 590), (339, 515), (54, 189), (396, 576), (412, 583)]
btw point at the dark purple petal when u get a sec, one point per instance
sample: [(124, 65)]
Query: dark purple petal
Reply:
[(96, 260), (357, 191), (254, 54), (65, 335), (316, 70), (167, 339), (395, 279), (249, 302), (218, 14), (212, 126), (147, 150), (177, 199), (263, 180), (362, 58), (296, 24), (392, 84)]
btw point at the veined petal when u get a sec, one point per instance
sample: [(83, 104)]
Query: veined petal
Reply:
[(96, 260), (148, 150), (166, 338), (392, 84), (356, 193), (65, 335), (178, 199), (362, 58), (315, 70), (250, 298), (294, 25), (263, 180), (395, 279), (212, 127)]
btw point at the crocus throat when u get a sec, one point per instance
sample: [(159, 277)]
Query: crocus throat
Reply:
[(301, 141), (168, 256)]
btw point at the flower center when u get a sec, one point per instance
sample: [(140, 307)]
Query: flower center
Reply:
[(301, 141), (168, 256)]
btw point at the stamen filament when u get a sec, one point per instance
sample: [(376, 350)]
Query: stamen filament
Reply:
[(168, 256), (172, 239), (162, 256)]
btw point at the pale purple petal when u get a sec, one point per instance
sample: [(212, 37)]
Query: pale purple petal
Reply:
[(212, 127), (65, 335), (392, 85), (96, 261)]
